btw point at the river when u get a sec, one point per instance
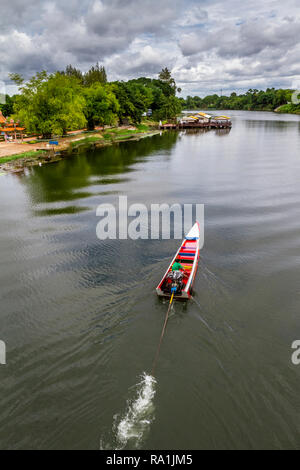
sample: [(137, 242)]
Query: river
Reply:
[(81, 320)]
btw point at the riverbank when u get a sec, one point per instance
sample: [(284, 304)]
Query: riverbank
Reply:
[(284, 109), (16, 156), (288, 109)]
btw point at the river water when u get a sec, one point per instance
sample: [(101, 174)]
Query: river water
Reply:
[(81, 320)]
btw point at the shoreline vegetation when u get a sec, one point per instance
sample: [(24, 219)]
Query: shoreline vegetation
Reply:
[(54, 105), (68, 146), (278, 101), (49, 106)]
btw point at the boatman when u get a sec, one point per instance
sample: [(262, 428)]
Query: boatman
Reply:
[(177, 266)]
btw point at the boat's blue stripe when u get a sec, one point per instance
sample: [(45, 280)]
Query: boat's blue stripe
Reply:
[(187, 254)]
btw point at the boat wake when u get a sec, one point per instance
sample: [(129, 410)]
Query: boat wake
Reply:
[(131, 428)]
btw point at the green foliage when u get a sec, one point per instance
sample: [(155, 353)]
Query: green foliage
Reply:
[(19, 156), (17, 78), (170, 108), (134, 99), (127, 109), (252, 100), (139, 95), (101, 107), (143, 128), (54, 104), (165, 76), (96, 74), (8, 107), (107, 136), (51, 104), (87, 140), (73, 72), (289, 108)]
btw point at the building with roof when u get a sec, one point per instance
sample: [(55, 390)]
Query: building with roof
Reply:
[(2, 118)]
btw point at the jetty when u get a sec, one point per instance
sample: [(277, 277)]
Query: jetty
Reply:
[(201, 121)]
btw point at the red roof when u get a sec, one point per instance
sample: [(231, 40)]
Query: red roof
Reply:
[(2, 118), (11, 129)]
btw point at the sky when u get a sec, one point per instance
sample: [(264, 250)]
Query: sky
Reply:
[(209, 46)]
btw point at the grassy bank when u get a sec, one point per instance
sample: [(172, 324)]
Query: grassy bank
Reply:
[(66, 146), (288, 109), (111, 136), (32, 154)]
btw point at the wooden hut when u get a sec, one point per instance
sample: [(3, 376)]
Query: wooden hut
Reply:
[(203, 117)]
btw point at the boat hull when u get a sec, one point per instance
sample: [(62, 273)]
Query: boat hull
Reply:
[(188, 255)]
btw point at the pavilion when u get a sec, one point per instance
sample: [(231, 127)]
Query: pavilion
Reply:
[(10, 128)]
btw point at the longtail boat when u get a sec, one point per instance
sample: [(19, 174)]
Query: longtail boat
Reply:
[(180, 283)]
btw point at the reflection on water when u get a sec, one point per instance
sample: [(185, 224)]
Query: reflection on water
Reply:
[(81, 319), (270, 126), (65, 181)]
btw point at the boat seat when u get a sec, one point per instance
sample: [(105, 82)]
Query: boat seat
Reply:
[(184, 258), (187, 254)]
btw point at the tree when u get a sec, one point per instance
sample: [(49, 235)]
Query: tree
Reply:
[(165, 76), (7, 107), (73, 72), (96, 74), (17, 78), (126, 107), (134, 98), (101, 106), (32, 85), (170, 109), (51, 104), (253, 99)]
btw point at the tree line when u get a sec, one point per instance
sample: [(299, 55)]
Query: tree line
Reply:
[(52, 104), (252, 100)]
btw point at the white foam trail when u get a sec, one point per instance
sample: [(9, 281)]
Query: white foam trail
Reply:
[(132, 428)]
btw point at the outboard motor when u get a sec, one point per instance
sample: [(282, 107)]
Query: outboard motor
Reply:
[(173, 283)]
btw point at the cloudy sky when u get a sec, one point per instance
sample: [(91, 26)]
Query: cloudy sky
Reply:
[(209, 45)]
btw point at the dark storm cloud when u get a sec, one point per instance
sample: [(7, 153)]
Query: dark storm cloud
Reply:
[(239, 44), (132, 17), (77, 32)]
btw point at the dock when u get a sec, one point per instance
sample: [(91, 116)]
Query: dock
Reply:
[(201, 121), (199, 125)]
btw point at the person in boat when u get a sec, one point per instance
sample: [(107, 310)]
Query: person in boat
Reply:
[(177, 266)]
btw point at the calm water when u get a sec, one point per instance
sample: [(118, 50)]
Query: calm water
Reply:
[(81, 320)]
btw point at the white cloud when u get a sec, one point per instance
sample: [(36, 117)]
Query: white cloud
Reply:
[(208, 45)]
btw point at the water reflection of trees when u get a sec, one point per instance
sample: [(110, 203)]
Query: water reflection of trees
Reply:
[(64, 180), (269, 125)]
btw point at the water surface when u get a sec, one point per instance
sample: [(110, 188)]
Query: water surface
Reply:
[(81, 319)]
